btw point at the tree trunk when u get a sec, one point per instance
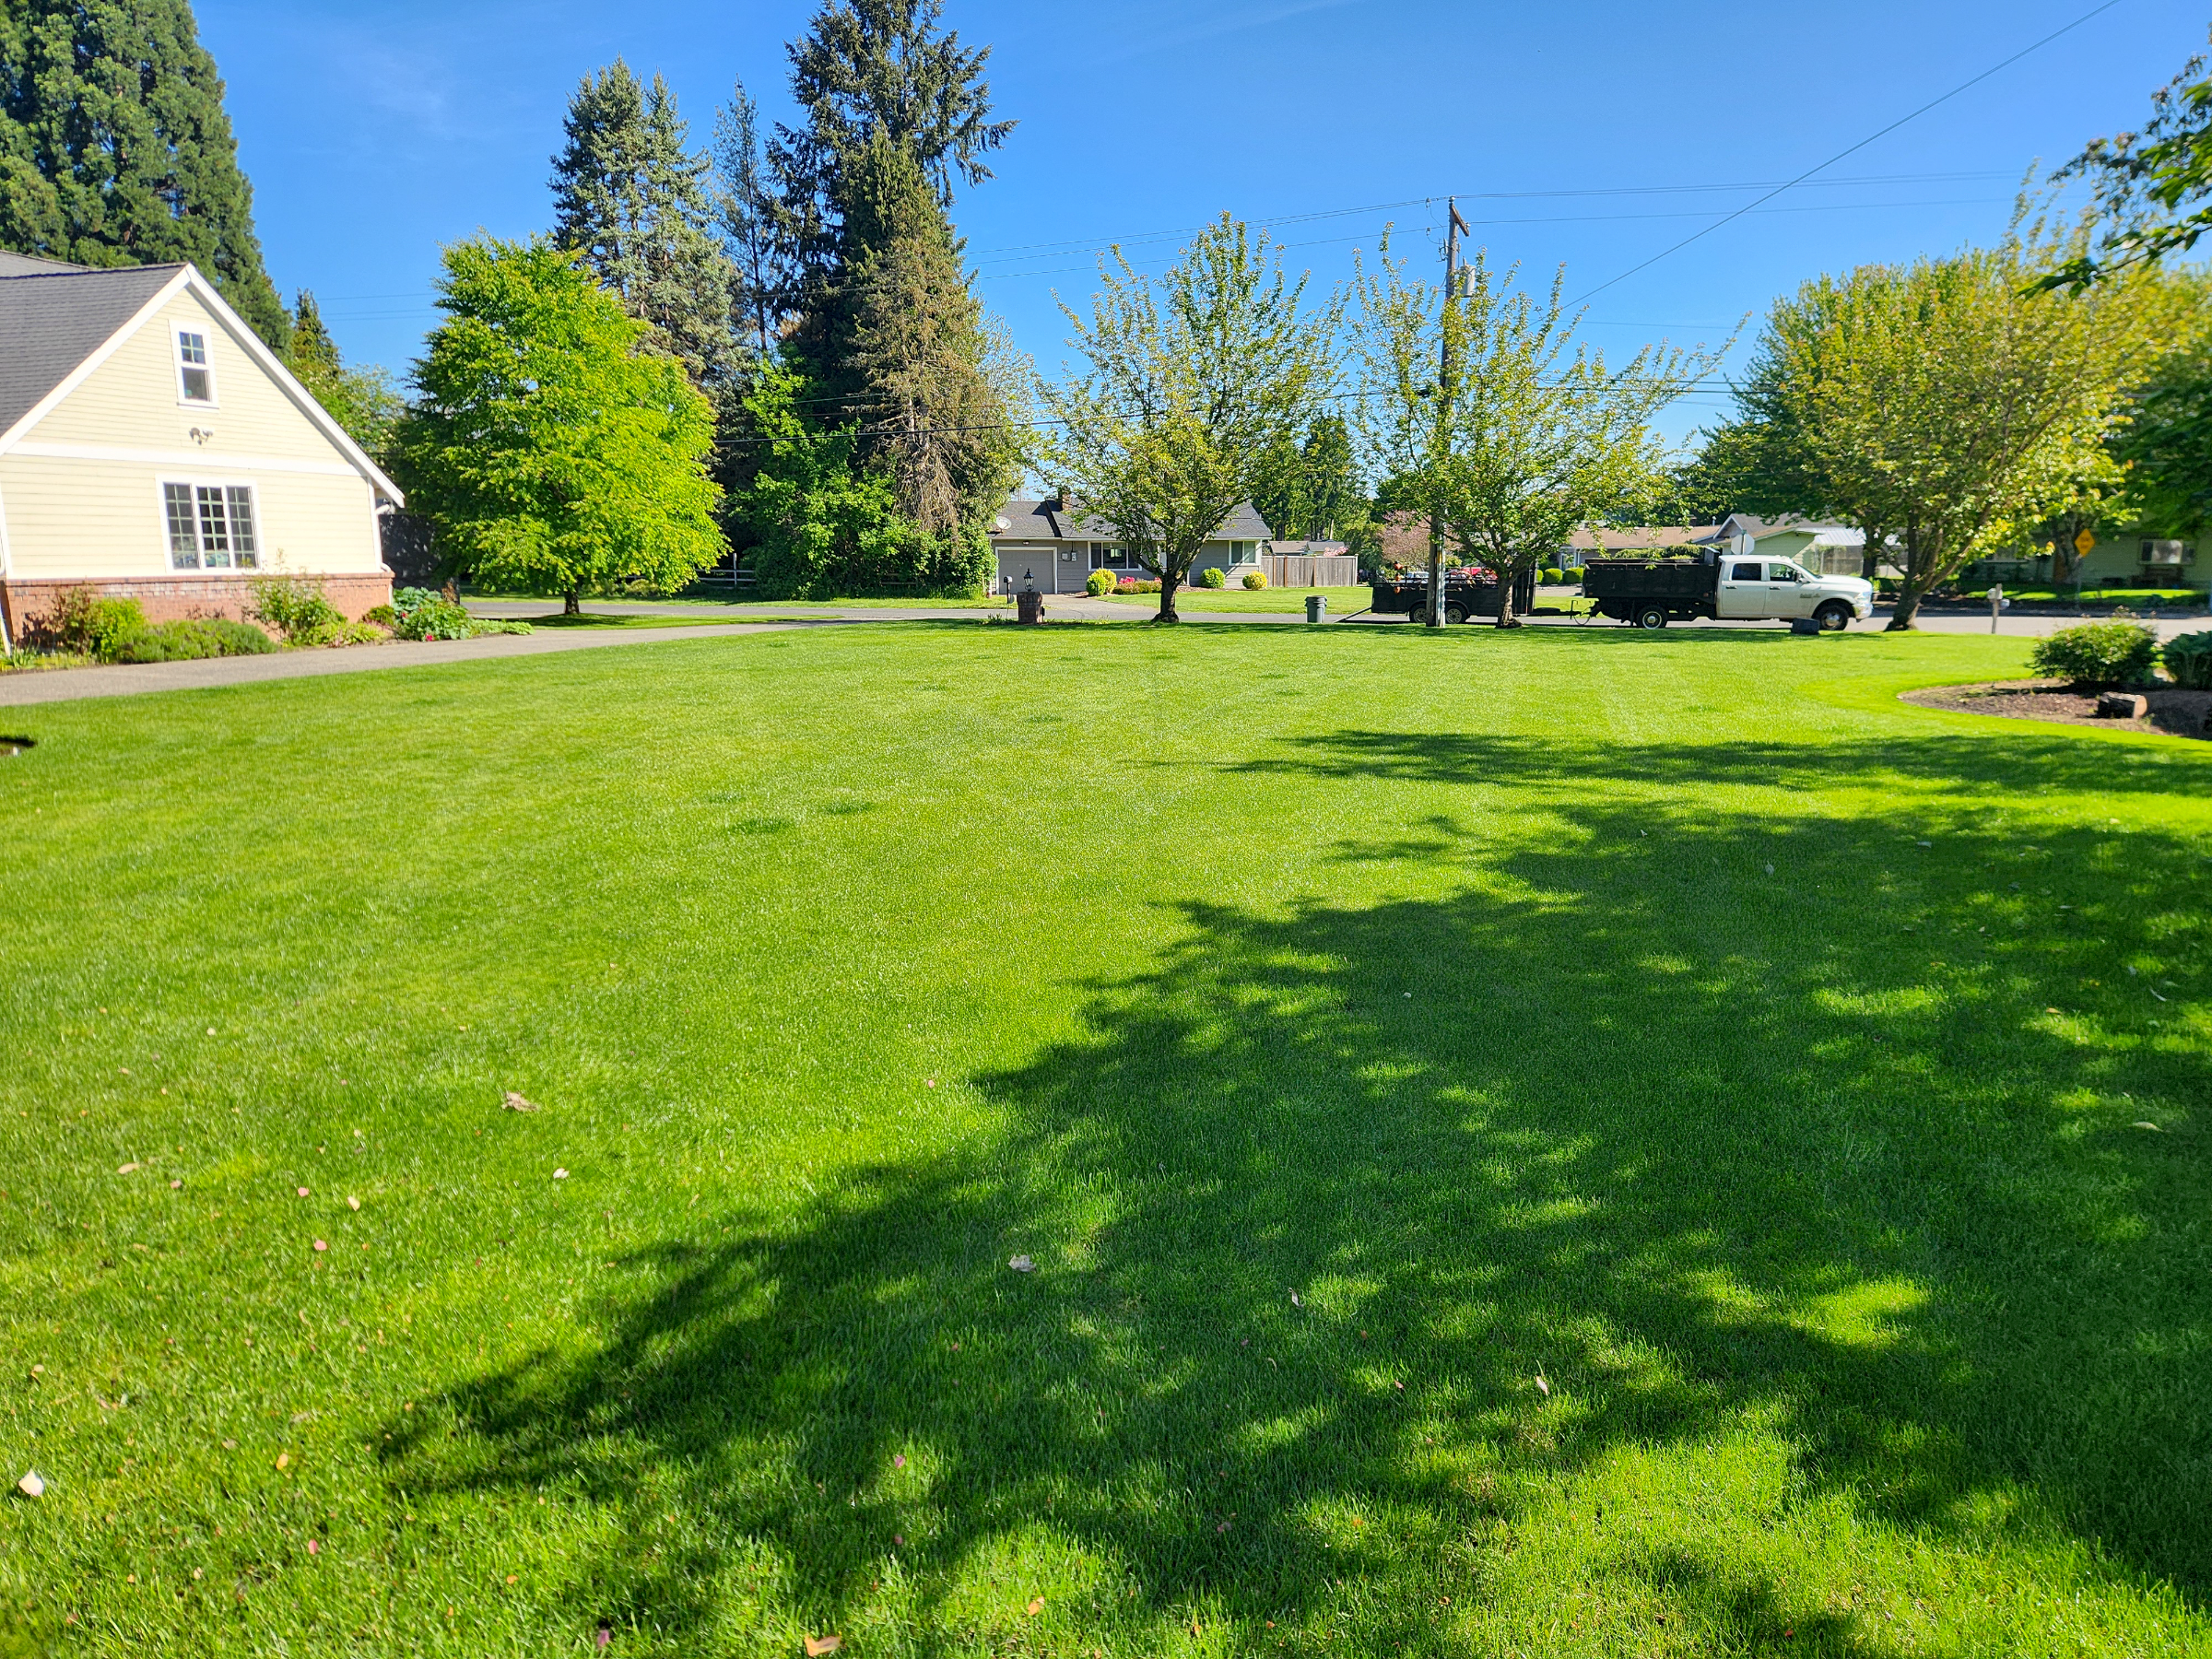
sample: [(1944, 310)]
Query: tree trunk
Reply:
[(1168, 582), (1907, 608), (1505, 599), (573, 606)]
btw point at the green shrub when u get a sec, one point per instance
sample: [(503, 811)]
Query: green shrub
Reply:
[(1255, 581), (1211, 577), (2189, 659), (296, 609), (1100, 584), (419, 614), (1551, 576), (384, 615), (85, 622), (191, 639), (2098, 654), (1148, 584)]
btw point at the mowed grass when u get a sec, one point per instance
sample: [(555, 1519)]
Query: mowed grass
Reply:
[(1343, 601), (1557, 1143)]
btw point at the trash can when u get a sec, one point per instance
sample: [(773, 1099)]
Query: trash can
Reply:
[(1028, 606), (1317, 607)]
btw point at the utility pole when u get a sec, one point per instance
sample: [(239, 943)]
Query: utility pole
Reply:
[(1442, 447)]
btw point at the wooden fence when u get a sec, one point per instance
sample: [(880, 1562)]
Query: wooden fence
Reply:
[(1310, 570)]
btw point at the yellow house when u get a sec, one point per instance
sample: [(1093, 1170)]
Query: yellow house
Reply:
[(151, 445)]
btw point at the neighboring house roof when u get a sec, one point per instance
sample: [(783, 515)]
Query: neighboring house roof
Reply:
[(1788, 523), (1050, 520), (58, 323)]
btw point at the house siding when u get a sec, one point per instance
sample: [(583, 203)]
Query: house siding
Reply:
[(80, 489)]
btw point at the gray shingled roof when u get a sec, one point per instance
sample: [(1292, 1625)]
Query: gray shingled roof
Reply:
[(53, 317), (1043, 521)]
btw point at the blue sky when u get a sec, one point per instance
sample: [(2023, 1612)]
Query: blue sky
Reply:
[(1586, 132)]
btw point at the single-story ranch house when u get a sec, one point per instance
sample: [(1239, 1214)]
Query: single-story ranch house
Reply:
[(1054, 547), (152, 446)]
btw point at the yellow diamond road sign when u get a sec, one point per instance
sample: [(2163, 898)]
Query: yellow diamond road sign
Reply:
[(2084, 542)]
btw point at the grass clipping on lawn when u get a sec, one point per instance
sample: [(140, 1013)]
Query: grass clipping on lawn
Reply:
[(1560, 1143)]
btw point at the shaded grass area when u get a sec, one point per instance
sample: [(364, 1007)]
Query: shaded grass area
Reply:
[(1290, 600), (628, 619), (1682, 1192)]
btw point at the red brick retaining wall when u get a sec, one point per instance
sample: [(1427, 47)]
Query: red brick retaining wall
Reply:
[(27, 603)]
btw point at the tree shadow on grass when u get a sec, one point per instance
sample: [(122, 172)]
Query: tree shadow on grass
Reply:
[(1369, 1237)]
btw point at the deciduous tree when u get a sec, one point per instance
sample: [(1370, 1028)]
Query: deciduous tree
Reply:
[(363, 401), (1194, 384), (2153, 187), (547, 446)]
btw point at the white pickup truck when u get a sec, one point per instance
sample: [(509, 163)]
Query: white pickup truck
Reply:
[(1651, 591)]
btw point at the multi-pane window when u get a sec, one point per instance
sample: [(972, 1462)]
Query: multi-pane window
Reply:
[(211, 527), (196, 377), (1104, 557)]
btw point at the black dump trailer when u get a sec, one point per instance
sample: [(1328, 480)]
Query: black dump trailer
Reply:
[(1466, 596), (1651, 590)]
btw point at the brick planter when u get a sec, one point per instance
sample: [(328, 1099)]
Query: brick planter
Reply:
[(27, 603)]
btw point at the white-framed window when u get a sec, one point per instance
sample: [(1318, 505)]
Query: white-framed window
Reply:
[(211, 527), (1104, 556), (196, 370)]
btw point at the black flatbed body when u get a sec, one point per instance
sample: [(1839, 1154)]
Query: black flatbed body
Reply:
[(1683, 587), (1471, 596)]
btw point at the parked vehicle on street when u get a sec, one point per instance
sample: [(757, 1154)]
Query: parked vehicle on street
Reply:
[(1651, 592), (1468, 594)]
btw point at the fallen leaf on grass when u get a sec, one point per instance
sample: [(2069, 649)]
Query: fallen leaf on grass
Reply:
[(284, 1460), (514, 1103), (313, 1548), (174, 1185), (320, 1245), (125, 1169), (31, 1486), (302, 1192), (1295, 1301), (352, 1203), (1543, 1387), (561, 1174), (819, 1645), (2152, 1127), (1021, 1263), (1037, 1606)]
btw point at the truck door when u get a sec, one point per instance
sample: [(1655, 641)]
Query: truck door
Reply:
[(1744, 590), (1791, 589)]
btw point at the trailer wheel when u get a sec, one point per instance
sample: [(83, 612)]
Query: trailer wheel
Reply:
[(1834, 617), (1652, 616), (1454, 616)]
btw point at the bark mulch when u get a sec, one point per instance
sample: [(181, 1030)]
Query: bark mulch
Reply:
[(2182, 714)]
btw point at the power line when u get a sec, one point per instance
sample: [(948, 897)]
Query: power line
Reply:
[(1862, 143)]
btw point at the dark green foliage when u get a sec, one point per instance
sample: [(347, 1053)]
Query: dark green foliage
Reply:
[(191, 639), (750, 217), (1313, 494), (2167, 448), (2188, 658), (114, 148), (2098, 654), (419, 614), (2153, 187), (631, 197), (363, 401), (824, 525), (550, 451)]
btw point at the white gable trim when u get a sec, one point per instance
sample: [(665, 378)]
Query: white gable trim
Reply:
[(253, 347)]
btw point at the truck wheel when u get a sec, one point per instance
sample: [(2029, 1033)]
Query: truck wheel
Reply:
[(1454, 616), (1652, 616), (1834, 617)]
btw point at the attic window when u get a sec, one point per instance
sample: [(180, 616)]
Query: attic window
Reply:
[(196, 379)]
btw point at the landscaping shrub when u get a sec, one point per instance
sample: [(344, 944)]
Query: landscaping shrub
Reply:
[(1255, 580), (1551, 576), (2098, 654), (296, 609), (85, 622), (1149, 585), (1211, 577), (191, 639), (419, 614), (2189, 659), (383, 616), (1101, 583)]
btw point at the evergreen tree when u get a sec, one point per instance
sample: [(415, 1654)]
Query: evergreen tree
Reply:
[(866, 68), (114, 148), (363, 401), (745, 201), (915, 350), (630, 196)]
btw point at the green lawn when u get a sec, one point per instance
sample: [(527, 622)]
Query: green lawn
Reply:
[(1565, 1142), (1343, 601)]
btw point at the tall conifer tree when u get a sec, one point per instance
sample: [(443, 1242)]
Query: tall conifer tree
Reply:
[(114, 148), (629, 194)]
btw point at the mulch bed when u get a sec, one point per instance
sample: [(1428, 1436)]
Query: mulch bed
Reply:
[(2181, 714)]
